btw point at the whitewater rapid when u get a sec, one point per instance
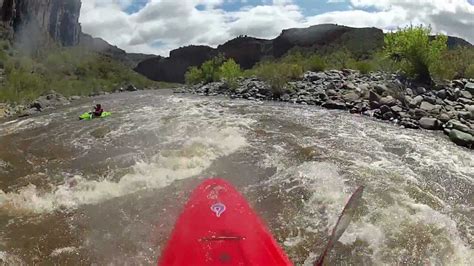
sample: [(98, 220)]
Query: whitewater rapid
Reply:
[(110, 189)]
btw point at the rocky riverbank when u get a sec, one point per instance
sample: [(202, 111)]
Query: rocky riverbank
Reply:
[(448, 107), (48, 101)]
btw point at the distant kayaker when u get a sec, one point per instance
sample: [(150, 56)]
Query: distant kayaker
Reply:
[(98, 110)]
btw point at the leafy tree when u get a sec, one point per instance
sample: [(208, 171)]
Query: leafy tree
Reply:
[(193, 75), (417, 53), (230, 71)]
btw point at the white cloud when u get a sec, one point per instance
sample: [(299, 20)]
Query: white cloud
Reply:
[(173, 23)]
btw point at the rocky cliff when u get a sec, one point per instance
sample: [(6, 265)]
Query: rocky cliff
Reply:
[(33, 22), (247, 51)]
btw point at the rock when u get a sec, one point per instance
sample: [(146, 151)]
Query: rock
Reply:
[(49, 101), (130, 87), (465, 115), (461, 138), (380, 88), (285, 97), (430, 99), (332, 93), (469, 87), (454, 124), (334, 105), (409, 123), (388, 116), (443, 117), (28, 112), (426, 106), (389, 100), (314, 76), (470, 108), (349, 86), (396, 109), (442, 94), (429, 123), (465, 94), (466, 101), (385, 109), (420, 91), (351, 97), (75, 98), (415, 102)]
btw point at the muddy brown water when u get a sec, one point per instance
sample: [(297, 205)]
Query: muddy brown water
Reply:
[(108, 191)]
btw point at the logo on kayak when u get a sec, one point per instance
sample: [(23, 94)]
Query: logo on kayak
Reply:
[(218, 209)]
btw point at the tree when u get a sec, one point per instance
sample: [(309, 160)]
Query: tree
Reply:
[(416, 52), (230, 71)]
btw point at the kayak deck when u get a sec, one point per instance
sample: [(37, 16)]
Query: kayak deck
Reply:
[(218, 227)]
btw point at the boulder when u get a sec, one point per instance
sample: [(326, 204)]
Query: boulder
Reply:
[(461, 138), (469, 87), (429, 123), (332, 93), (313, 76), (455, 124), (389, 100), (334, 105), (131, 87), (466, 101), (442, 94), (396, 109), (465, 94), (385, 109), (430, 99), (75, 98), (420, 91), (409, 123), (351, 97), (388, 116), (380, 88), (443, 117), (416, 101), (426, 106)]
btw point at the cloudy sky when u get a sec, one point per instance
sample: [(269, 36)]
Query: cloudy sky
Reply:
[(158, 26)]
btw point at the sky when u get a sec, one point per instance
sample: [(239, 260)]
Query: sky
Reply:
[(159, 26)]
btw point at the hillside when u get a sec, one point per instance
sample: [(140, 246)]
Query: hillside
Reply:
[(247, 51), (43, 48)]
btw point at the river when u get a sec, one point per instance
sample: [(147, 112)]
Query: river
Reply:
[(108, 191)]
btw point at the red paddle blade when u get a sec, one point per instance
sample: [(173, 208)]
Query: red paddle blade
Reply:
[(342, 223)]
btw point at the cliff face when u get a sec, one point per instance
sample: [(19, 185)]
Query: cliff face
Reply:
[(172, 69), (248, 51), (36, 21)]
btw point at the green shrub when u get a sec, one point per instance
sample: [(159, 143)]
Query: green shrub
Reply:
[(417, 54), (315, 63), (469, 72), (277, 74), (455, 63), (193, 75), (363, 66), (214, 70), (69, 71), (339, 59), (230, 71)]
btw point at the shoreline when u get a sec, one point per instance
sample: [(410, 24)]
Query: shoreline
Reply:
[(448, 107)]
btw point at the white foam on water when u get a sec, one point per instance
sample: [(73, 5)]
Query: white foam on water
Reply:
[(17, 125), (196, 144), (64, 250)]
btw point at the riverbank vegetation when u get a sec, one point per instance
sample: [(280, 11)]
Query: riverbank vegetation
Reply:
[(410, 51), (69, 71)]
